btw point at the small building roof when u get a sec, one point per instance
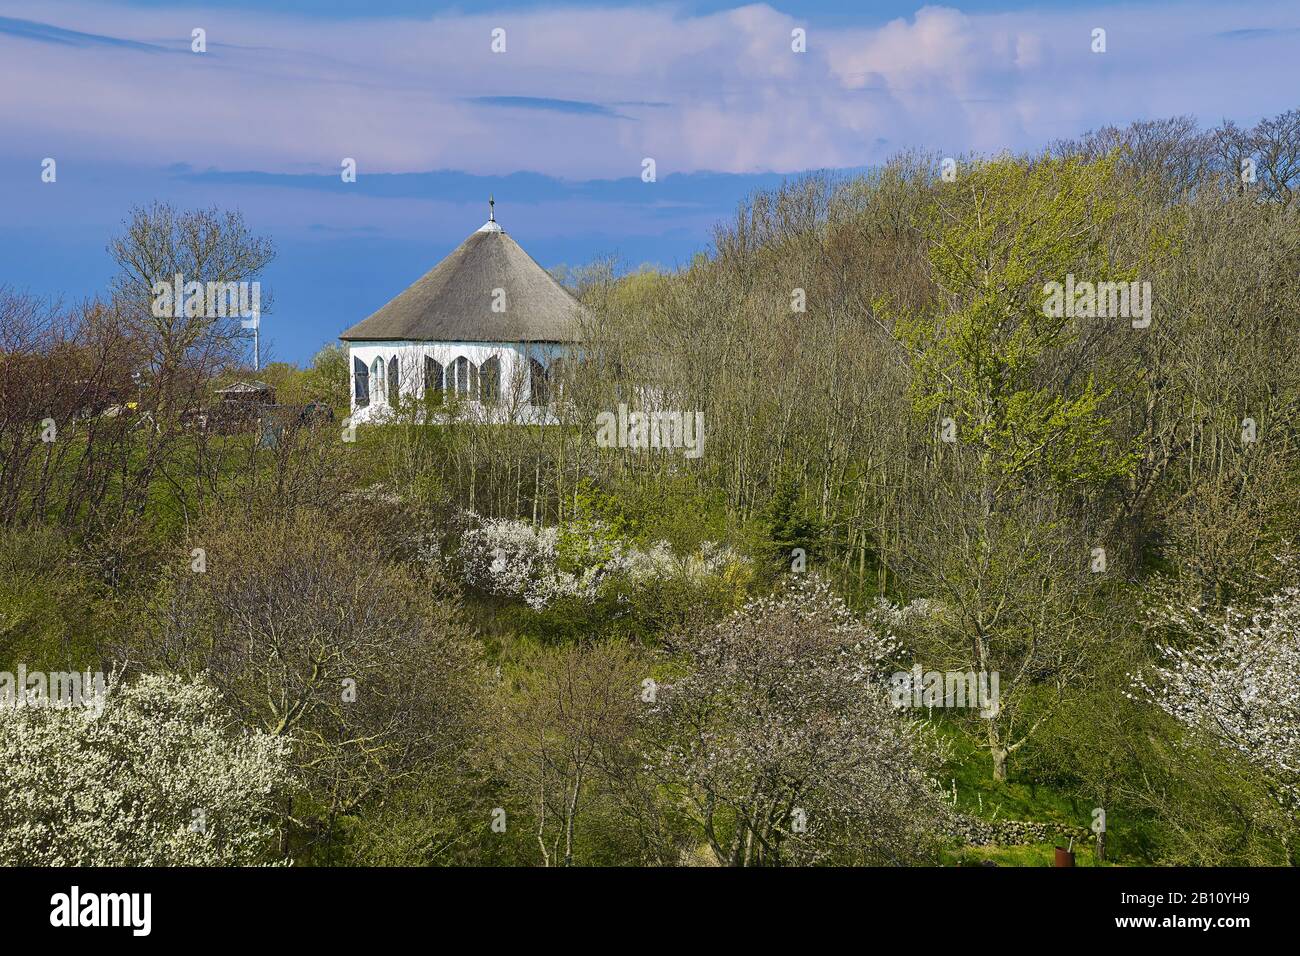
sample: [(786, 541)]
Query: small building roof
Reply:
[(245, 388), (453, 301)]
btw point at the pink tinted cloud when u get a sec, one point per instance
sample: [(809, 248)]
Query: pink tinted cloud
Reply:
[(722, 91)]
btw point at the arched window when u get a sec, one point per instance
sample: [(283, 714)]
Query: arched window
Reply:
[(432, 380), (394, 383), (377, 377), (557, 378), (462, 378), (489, 377), (539, 391), (360, 382)]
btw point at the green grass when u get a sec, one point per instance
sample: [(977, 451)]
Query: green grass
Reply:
[(1038, 854), (979, 795)]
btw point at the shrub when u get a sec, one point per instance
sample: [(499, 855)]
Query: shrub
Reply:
[(160, 778), (781, 743), (584, 562)]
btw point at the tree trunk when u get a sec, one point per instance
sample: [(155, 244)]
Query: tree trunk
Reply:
[(999, 754)]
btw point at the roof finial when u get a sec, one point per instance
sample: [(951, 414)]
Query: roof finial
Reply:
[(491, 225)]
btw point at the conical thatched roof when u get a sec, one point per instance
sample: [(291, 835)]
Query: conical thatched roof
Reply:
[(453, 301)]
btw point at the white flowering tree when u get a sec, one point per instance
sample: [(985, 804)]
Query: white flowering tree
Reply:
[(540, 566), (780, 743), (160, 778), (514, 559), (1235, 679)]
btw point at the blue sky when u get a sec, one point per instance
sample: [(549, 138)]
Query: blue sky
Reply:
[(556, 127)]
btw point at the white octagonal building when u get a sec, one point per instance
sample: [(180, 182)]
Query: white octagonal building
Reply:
[(485, 328)]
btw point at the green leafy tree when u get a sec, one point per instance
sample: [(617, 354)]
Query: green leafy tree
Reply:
[(1021, 427)]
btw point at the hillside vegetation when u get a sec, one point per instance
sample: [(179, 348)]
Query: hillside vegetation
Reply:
[(936, 439)]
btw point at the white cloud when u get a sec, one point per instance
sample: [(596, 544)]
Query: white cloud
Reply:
[(287, 93)]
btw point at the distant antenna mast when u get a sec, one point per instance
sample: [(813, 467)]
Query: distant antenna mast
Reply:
[(492, 209), (257, 345)]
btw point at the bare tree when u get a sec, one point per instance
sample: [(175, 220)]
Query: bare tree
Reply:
[(567, 717), (316, 636)]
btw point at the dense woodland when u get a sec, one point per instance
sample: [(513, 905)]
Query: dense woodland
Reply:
[(443, 642)]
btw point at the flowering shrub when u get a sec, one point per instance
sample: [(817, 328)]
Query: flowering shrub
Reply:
[(660, 562), (514, 559), (780, 743), (157, 780), (892, 619), (1236, 682)]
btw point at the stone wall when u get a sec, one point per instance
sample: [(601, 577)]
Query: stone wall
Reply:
[(974, 831)]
